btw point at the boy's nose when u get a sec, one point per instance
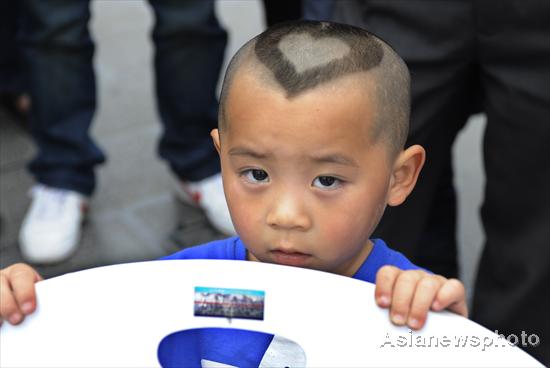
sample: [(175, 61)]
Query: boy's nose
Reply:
[(288, 213)]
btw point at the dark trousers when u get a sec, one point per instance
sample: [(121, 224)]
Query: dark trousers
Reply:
[(189, 52), (277, 11), (465, 56), (11, 72)]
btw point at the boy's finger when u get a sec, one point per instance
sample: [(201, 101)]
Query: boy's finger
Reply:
[(9, 309), (385, 279), (403, 292), (22, 280), (426, 290), (453, 297)]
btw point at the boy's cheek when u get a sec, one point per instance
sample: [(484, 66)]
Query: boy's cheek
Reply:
[(245, 213), (338, 230), (344, 221)]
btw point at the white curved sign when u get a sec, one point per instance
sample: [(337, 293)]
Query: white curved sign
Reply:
[(148, 314)]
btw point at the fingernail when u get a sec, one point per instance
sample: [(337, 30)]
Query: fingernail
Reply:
[(436, 305), (414, 323), (26, 307), (15, 318), (384, 300), (398, 319)]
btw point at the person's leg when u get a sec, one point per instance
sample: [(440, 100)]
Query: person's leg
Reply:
[(511, 292), (58, 52), (438, 251), (13, 96), (190, 46), (440, 61), (11, 80), (318, 9), (277, 11)]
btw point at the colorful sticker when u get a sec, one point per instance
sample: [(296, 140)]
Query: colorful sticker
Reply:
[(229, 303)]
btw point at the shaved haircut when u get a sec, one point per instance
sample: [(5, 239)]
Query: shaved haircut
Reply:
[(299, 56)]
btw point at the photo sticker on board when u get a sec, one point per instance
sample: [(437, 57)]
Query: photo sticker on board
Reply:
[(229, 303)]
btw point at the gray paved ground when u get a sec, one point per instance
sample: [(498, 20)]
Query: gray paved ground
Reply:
[(134, 212)]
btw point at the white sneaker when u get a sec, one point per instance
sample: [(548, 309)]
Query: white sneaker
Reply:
[(207, 194), (50, 231)]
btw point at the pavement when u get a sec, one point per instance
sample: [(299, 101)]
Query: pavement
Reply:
[(134, 213)]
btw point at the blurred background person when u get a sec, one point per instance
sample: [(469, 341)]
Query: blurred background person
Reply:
[(13, 96), (189, 50), (276, 11), (465, 57)]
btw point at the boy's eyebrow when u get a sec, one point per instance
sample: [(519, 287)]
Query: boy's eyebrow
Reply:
[(335, 159), (329, 158), (242, 151)]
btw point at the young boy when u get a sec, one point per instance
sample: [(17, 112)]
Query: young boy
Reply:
[(313, 119)]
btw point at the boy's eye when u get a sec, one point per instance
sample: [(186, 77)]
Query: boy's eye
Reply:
[(327, 182), (255, 175)]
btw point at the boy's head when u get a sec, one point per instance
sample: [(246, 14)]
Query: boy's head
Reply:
[(313, 119)]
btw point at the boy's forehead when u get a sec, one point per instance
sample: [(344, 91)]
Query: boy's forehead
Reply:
[(259, 87), (333, 114)]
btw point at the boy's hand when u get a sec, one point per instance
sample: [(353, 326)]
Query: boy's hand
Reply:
[(17, 295), (411, 294)]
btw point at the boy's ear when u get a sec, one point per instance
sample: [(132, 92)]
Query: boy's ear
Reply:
[(406, 169), (215, 134)]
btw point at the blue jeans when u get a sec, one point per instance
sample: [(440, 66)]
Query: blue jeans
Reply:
[(58, 49)]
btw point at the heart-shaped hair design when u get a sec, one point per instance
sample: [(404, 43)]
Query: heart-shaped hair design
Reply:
[(313, 54)]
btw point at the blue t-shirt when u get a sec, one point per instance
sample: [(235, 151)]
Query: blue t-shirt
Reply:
[(234, 249), (211, 347)]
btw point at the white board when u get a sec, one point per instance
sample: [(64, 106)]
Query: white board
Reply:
[(117, 316)]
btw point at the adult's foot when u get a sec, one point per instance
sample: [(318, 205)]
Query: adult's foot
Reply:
[(207, 194), (51, 230)]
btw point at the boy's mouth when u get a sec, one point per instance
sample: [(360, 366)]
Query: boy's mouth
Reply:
[(290, 258)]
